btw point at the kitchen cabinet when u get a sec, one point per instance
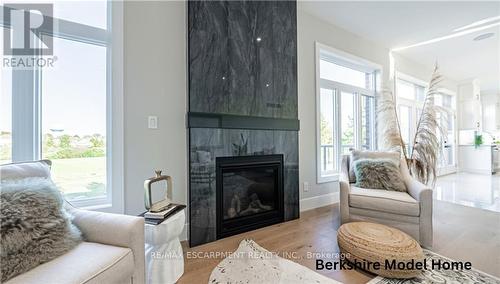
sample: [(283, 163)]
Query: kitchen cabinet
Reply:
[(497, 116), (470, 115), (469, 106), (491, 112), (478, 160)]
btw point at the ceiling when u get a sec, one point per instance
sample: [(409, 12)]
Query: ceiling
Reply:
[(400, 24)]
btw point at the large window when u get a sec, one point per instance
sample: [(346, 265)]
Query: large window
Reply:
[(69, 105), (346, 108)]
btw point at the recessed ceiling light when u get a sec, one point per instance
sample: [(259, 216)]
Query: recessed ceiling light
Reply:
[(483, 36)]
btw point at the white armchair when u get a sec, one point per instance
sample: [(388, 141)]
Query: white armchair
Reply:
[(409, 211), (112, 250)]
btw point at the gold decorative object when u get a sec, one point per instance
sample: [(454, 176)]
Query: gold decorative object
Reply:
[(162, 204)]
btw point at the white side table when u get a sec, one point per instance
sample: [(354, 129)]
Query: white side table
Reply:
[(164, 256)]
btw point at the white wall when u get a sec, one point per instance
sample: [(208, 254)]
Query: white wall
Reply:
[(154, 84)]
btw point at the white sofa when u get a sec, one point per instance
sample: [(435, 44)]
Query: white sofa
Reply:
[(410, 211), (112, 251)]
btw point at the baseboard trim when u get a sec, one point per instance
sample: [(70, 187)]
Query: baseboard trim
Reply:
[(319, 201)]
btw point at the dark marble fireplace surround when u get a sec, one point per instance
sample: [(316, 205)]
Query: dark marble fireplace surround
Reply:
[(242, 98)]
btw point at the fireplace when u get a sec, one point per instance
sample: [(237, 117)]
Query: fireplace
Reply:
[(243, 103), (249, 193)]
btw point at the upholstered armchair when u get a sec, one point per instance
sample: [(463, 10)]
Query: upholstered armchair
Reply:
[(112, 250), (410, 211)]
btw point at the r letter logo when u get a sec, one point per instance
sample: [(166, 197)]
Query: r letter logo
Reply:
[(28, 22)]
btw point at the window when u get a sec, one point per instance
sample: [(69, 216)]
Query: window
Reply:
[(327, 125), (446, 118), (405, 123), (410, 100), (5, 111), (346, 108), (346, 121), (91, 13), (367, 122), (335, 72), (65, 114), (410, 91), (76, 147)]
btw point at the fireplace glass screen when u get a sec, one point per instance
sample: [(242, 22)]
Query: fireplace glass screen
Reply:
[(249, 192)]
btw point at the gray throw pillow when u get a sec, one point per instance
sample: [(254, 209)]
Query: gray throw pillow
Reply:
[(357, 155), (35, 228), (378, 174)]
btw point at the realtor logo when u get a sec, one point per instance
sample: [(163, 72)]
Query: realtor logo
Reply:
[(27, 24)]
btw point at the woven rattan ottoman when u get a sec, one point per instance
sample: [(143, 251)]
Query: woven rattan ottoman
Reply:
[(365, 242)]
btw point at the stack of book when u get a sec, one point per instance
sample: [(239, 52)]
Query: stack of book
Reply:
[(155, 218)]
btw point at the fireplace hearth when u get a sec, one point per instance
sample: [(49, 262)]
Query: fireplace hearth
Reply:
[(249, 193)]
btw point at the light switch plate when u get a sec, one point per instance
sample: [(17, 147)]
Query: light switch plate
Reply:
[(152, 122), (306, 186)]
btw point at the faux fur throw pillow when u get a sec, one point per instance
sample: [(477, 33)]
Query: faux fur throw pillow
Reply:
[(34, 226), (358, 155), (378, 174)]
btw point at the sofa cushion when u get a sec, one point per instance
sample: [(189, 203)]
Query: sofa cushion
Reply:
[(356, 155), (87, 263), (385, 201)]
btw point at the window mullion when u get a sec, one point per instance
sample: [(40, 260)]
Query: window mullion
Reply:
[(24, 116), (338, 128), (373, 126), (37, 108), (357, 121)]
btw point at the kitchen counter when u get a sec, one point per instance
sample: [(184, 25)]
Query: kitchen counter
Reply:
[(483, 159)]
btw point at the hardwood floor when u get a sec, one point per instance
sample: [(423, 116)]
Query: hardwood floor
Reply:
[(461, 233), (315, 231)]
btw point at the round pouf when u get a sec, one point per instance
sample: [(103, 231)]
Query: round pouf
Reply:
[(363, 242)]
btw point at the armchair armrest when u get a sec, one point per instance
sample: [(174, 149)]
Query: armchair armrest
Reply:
[(110, 229), (116, 230), (423, 194), (416, 189)]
